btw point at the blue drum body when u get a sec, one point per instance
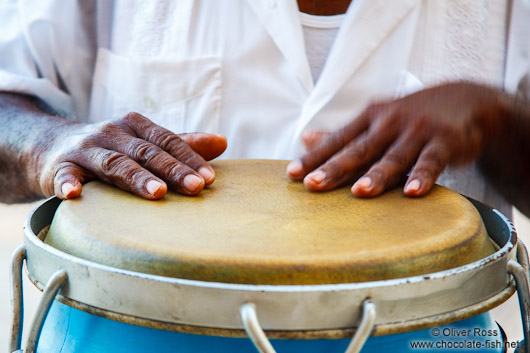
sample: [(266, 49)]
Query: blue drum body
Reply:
[(68, 330)]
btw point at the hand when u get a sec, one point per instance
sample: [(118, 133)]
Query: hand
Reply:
[(425, 131), (132, 153)]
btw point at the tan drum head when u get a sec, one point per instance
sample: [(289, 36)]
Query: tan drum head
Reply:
[(255, 226)]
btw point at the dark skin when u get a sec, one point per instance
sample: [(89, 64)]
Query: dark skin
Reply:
[(451, 124), (448, 125), (42, 154), (323, 7), (454, 123)]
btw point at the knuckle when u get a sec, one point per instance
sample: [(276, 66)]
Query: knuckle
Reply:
[(175, 172), (418, 127), (335, 169), (386, 174), (391, 120), (84, 144), (433, 161), (397, 160), (132, 118), (338, 139), (179, 149), (132, 176), (425, 172), (62, 170), (377, 111), (101, 137), (340, 168), (106, 131), (379, 173), (143, 152), (106, 126), (113, 163), (359, 149), (173, 143)]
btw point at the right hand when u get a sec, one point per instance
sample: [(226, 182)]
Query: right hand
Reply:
[(131, 153), (450, 124)]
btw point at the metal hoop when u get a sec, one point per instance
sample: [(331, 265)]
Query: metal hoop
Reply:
[(17, 297), (263, 345), (521, 280), (522, 258), (365, 327), (55, 283), (254, 330)]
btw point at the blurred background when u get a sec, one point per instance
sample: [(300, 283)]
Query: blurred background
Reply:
[(12, 218)]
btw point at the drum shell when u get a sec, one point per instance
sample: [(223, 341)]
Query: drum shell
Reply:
[(80, 332)]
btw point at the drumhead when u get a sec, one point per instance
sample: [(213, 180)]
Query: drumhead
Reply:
[(254, 226)]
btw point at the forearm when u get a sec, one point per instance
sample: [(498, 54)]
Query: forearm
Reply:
[(506, 157), (26, 129)]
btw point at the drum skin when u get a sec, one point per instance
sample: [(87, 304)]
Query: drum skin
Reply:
[(254, 226)]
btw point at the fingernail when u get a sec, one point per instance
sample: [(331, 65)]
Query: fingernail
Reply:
[(294, 168), (153, 186), (192, 182), (67, 189), (206, 174), (413, 185), (363, 183), (317, 176)]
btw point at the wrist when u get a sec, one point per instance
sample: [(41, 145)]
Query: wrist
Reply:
[(31, 133)]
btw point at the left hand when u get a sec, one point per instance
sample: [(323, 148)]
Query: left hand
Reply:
[(425, 131)]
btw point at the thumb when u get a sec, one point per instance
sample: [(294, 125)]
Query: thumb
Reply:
[(208, 146), (69, 179)]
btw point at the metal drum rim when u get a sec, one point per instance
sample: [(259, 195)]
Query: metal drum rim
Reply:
[(502, 251)]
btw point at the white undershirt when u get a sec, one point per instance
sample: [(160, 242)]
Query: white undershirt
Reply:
[(319, 35)]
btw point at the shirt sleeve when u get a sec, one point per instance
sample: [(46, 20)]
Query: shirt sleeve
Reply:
[(48, 50)]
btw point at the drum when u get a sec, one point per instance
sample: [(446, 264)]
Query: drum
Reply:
[(257, 262)]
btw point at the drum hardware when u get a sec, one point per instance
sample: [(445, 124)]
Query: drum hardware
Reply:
[(54, 285), (517, 269), (285, 311), (17, 305), (263, 345)]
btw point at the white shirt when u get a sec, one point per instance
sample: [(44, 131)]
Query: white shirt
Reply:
[(319, 35), (239, 67)]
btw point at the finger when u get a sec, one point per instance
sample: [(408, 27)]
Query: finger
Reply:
[(329, 145), (68, 180), (391, 169), (208, 146), (352, 159), (431, 163), (119, 169), (170, 142), (161, 163), (313, 138)]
